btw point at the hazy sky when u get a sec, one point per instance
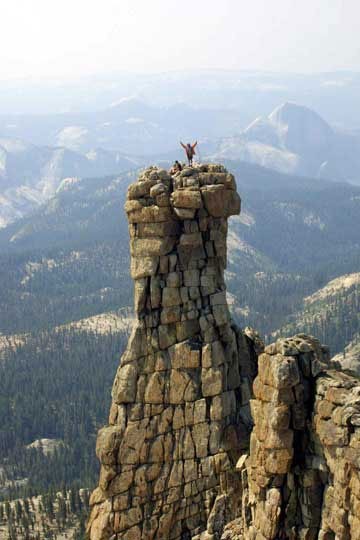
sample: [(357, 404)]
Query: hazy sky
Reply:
[(65, 38)]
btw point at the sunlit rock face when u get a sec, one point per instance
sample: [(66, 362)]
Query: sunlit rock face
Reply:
[(180, 416), (301, 479), (211, 436)]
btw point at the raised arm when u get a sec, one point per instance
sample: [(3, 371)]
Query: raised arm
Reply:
[(193, 146), (183, 145)]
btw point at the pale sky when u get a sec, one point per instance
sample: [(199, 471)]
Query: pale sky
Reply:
[(69, 38)]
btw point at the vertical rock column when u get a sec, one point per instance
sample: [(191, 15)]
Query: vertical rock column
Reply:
[(280, 410), (302, 478), (175, 426)]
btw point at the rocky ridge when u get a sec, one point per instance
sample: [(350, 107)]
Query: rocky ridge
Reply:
[(210, 437)]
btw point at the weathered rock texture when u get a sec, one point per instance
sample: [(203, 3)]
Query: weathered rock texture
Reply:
[(180, 413), (301, 479), (187, 406)]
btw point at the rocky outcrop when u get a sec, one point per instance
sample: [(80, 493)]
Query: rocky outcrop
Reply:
[(210, 436), (180, 413), (349, 359), (301, 478)]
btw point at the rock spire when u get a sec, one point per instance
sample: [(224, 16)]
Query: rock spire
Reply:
[(180, 415), (211, 436)]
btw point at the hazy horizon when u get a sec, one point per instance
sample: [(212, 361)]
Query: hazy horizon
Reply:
[(111, 73), (40, 40)]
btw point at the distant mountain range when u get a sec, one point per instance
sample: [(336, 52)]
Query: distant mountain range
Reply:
[(335, 95), (99, 143), (296, 140), (129, 125), (30, 175), (292, 139)]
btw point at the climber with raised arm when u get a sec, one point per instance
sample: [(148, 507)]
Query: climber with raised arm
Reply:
[(190, 151)]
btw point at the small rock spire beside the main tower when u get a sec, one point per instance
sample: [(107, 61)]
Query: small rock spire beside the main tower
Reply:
[(180, 416)]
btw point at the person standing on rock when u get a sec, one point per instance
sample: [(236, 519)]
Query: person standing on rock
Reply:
[(190, 151)]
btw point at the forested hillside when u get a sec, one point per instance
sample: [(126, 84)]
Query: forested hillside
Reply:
[(54, 386), (332, 313), (69, 260), (51, 516)]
